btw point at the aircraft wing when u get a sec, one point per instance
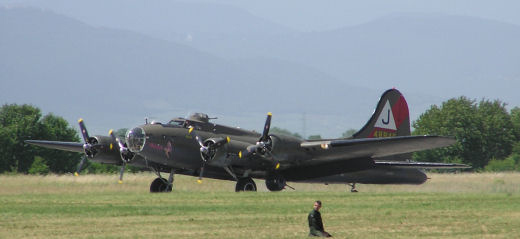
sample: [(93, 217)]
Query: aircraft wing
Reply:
[(67, 146), (429, 165), (343, 149)]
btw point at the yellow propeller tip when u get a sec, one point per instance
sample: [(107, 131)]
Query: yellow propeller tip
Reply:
[(120, 181), (76, 174), (270, 114), (110, 131), (111, 146), (240, 154), (199, 181), (228, 139), (80, 120), (277, 166), (191, 129)]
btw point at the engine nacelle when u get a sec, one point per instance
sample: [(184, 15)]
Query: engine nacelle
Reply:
[(104, 150)]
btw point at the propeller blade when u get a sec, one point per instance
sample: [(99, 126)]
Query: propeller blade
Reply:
[(121, 173), (194, 135), (263, 145), (80, 166), (111, 133), (265, 134), (114, 138), (201, 173), (84, 132)]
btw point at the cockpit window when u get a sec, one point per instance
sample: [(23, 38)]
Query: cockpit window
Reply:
[(176, 123)]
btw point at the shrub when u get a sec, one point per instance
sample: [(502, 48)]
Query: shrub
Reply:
[(39, 166)]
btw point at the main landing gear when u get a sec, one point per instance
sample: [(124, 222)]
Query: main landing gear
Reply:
[(275, 182), (161, 185), (245, 184)]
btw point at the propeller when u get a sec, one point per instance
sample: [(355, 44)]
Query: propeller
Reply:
[(207, 149), (126, 155), (88, 146), (264, 144)]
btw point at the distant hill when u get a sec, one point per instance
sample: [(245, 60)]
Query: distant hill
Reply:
[(428, 54), (440, 55), (115, 78), (176, 56)]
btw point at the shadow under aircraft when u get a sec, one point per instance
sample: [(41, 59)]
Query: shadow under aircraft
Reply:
[(378, 154)]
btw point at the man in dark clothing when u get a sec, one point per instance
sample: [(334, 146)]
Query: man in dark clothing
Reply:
[(315, 222)]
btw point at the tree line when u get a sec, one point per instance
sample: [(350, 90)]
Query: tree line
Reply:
[(487, 135), (26, 122)]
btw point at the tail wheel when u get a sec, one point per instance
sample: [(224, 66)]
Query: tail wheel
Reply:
[(160, 185), (245, 184)]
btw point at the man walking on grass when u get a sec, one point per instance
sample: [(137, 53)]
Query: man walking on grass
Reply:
[(315, 222)]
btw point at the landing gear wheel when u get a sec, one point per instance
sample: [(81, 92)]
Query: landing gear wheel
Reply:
[(245, 184), (275, 182), (160, 185)]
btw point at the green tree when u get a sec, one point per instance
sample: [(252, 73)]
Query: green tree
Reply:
[(39, 166), (515, 119), (315, 137), (483, 131), (507, 164), (348, 133), (121, 133), (280, 131), (17, 124), (57, 128), (24, 122), (498, 136)]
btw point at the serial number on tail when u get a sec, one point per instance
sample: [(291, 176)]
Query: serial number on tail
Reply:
[(384, 134)]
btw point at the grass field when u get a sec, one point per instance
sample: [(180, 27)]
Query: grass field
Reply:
[(96, 206)]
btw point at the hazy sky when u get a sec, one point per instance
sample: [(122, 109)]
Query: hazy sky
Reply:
[(313, 15)]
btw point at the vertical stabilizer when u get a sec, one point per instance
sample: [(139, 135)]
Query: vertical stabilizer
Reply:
[(391, 118)]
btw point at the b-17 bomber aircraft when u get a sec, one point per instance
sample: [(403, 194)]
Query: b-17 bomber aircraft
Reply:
[(378, 154)]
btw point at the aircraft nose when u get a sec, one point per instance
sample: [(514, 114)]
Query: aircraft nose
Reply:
[(135, 139)]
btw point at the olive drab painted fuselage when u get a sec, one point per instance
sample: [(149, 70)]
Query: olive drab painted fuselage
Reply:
[(379, 153)]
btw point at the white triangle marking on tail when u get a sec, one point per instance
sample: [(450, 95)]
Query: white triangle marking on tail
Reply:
[(386, 118)]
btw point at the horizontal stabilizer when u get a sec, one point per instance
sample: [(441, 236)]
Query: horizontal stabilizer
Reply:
[(67, 146), (430, 165), (377, 147)]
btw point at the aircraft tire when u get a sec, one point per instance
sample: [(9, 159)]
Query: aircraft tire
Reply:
[(159, 185), (245, 184), (275, 183)]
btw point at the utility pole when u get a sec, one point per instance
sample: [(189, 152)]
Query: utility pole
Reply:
[(304, 129)]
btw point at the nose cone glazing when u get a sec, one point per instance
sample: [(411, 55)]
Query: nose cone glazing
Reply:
[(135, 139)]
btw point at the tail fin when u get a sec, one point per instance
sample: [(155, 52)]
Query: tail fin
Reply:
[(391, 118)]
